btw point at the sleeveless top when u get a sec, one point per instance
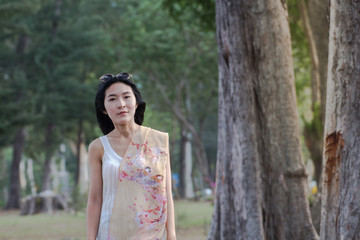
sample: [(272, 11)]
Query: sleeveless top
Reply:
[(134, 188)]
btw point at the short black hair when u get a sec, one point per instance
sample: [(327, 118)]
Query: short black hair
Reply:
[(106, 80)]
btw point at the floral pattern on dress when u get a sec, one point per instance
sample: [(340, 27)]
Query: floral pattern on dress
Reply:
[(142, 169)]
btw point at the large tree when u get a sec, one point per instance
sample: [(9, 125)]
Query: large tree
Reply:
[(261, 179), (341, 179)]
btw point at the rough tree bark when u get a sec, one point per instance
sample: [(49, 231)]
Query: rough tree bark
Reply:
[(341, 180), (261, 179)]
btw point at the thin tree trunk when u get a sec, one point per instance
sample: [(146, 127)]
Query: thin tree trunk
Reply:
[(78, 152), (318, 11), (3, 177), (46, 182), (341, 181), (314, 15), (15, 189), (316, 23), (189, 187), (313, 136), (261, 179), (30, 173), (50, 127), (315, 76), (182, 163), (200, 153)]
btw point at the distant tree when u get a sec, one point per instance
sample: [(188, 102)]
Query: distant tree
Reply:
[(340, 190), (313, 16), (316, 25), (261, 183), (16, 113), (176, 65), (60, 63)]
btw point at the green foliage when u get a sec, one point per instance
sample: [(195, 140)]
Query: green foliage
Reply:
[(302, 66), (202, 10), (300, 50)]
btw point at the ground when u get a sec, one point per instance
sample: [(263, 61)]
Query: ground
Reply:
[(192, 223)]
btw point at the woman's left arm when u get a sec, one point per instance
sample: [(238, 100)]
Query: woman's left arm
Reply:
[(170, 224)]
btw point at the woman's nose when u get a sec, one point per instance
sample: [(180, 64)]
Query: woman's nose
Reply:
[(121, 103)]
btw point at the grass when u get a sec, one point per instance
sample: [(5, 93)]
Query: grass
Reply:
[(192, 222), (192, 214), (59, 226)]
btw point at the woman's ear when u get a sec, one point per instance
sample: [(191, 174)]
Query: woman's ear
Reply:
[(105, 112)]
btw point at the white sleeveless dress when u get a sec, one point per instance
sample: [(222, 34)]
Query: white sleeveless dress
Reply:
[(134, 204), (110, 172)]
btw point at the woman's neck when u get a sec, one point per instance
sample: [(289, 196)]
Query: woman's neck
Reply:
[(125, 130)]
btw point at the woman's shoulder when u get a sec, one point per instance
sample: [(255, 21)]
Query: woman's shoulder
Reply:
[(155, 131), (96, 147), (158, 138)]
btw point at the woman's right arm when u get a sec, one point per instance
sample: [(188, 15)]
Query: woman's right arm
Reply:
[(94, 203)]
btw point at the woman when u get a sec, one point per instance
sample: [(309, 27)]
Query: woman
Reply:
[(130, 178)]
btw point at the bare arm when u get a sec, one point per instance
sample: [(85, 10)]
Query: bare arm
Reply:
[(170, 224), (94, 203)]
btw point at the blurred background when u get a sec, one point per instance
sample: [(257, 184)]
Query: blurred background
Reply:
[(52, 53)]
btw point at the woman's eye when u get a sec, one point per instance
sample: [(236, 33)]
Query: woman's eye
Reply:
[(112, 99), (127, 97)]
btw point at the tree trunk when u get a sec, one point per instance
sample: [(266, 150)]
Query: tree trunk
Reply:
[(182, 163), (341, 181), (189, 188), (199, 149), (84, 172), (261, 183), (186, 188), (15, 190), (3, 177), (46, 182), (50, 127), (78, 152), (30, 173)]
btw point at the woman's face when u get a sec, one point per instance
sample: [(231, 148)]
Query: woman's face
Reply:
[(120, 103)]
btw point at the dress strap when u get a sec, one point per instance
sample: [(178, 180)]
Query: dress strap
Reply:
[(108, 150)]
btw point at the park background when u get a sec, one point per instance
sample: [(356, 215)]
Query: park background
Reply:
[(52, 54)]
